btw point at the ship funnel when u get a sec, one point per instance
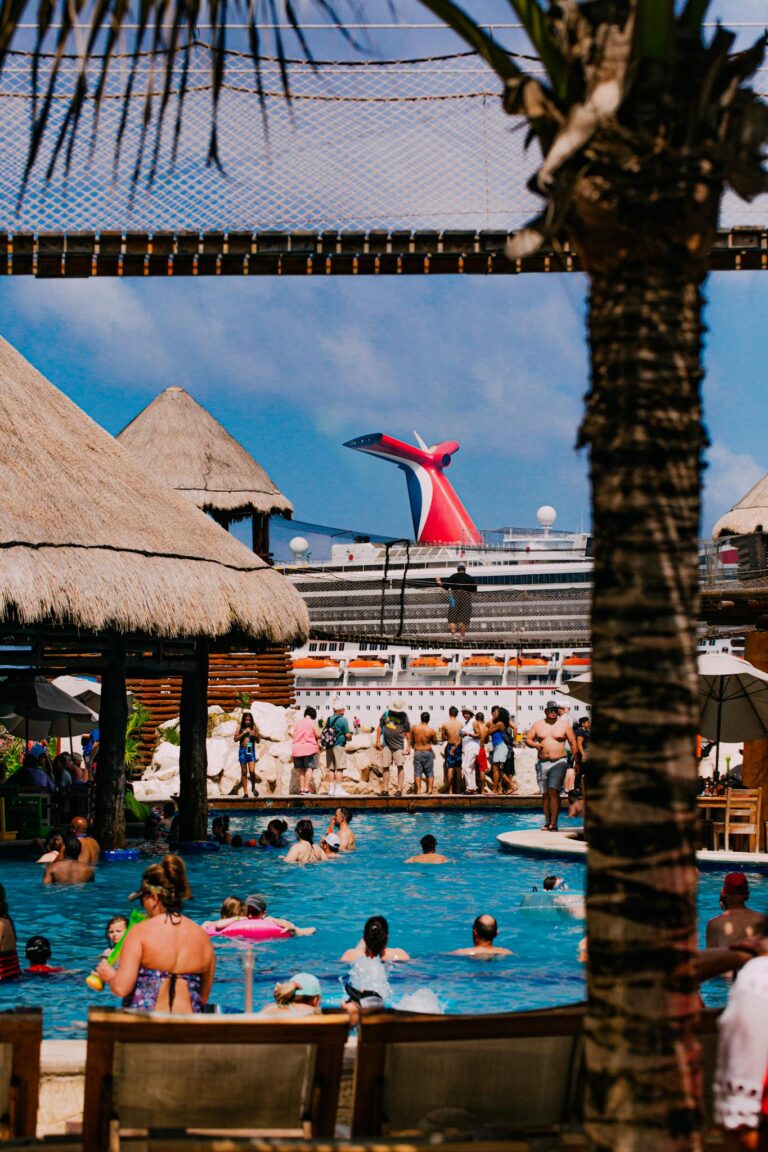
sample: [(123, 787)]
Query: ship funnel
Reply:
[(439, 517)]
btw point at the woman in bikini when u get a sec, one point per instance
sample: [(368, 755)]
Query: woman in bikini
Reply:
[(9, 960), (167, 962)]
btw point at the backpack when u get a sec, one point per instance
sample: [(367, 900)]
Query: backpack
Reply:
[(329, 735), (509, 740)]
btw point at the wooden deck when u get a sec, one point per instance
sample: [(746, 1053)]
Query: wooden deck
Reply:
[(436, 802)]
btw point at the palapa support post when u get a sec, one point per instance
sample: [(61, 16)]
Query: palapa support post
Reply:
[(260, 536), (193, 757), (110, 774)]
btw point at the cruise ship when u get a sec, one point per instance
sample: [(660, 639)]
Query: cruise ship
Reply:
[(380, 618)]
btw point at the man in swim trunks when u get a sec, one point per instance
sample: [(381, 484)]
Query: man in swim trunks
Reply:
[(736, 921), (70, 869), (423, 740), (429, 853), (90, 850), (450, 733), (550, 737), (484, 932), (340, 826)]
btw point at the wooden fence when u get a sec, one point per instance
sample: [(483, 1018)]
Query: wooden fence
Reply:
[(266, 675)]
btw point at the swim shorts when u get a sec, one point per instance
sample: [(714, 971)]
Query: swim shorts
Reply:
[(551, 774), (424, 764), (247, 755), (394, 756), (302, 763)]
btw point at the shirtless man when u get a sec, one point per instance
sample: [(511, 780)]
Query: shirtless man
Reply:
[(340, 825), (429, 853), (70, 869), (423, 740), (737, 922), (549, 737), (90, 848), (450, 734), (484, 932)]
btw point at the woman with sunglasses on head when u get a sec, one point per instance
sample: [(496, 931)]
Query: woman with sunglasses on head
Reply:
[(167, 961)]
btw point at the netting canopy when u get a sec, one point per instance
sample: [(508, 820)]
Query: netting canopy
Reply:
[(364, 145)]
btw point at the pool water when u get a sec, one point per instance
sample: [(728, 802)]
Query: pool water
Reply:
[(430, 911)]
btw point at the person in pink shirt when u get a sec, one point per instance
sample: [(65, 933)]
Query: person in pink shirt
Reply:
[(305, 748)]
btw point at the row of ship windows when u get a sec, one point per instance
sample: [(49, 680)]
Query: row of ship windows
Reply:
[(381, 704)]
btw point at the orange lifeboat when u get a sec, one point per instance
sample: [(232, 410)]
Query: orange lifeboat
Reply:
[(317, 668), (577, 662), (431, 665), (367, 666), (483, 665)]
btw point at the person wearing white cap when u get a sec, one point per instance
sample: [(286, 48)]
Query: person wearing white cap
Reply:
[(299, 996), (335, 753), (393, 740)]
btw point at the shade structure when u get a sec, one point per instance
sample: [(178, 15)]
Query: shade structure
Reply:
[(35, 709), (88, 692), (207, 465), (733, 699), (87, 539), (749, 515), (36, 698)]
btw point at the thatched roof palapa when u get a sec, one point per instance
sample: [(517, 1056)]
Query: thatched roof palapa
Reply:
[(205, 463), (87, 539), (748, 516)]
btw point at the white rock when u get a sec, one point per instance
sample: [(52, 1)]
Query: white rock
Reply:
[(361, 740), (283, 750), (225, 730), (172, 723), (270, 720), (267, 768), (351, 772), (216, 710), (217, 753)]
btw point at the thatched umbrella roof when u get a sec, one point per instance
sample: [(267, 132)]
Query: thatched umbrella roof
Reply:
[(748, 516), (207, 465), (86, 538)]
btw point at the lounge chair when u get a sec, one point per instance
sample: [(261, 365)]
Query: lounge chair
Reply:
[(511, 1073), (153, 1072), (21, 1031)]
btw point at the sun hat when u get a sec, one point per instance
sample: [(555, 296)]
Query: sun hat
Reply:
[(397, 704), (256, 902), (339, 705), (736, 882), (332, 840), (466, 708), (306, 984)]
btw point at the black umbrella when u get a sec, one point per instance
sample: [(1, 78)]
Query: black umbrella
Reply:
[(37, 699)]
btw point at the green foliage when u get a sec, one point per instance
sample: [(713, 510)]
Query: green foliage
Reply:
[(243, 699), (12, 756), (137, 718), (171, 735)]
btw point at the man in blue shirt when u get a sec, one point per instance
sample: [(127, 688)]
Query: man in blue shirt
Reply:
[(336, 756), (32, 776)]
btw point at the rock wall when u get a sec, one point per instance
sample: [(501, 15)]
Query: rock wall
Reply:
[(274, 773)]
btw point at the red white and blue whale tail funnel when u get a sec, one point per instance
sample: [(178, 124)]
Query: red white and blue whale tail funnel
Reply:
[(439, 517)]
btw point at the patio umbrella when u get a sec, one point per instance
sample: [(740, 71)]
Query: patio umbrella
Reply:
[(88, 692), (733, 699), (36, 700), (42, 729)]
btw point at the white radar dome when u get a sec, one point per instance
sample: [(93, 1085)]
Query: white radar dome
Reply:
[(298, 545), (546, 516)]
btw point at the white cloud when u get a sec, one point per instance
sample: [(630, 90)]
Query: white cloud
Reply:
[(730, 476)]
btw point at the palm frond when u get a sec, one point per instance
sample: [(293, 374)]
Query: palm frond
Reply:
[(655, 30), (478, 39), (534, 20)]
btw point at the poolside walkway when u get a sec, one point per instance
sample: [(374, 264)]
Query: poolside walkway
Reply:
[(411, 803), (566, 845)]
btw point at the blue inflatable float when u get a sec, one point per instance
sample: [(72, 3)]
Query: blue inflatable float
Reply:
[(112, 854)]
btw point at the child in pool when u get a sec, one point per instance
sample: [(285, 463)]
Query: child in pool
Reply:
[(38, 953), (115, 929), (232, 909)]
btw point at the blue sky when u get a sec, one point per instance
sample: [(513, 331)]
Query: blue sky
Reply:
[(293, 367)]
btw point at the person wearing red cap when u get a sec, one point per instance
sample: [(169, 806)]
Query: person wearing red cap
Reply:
[(736, 922)]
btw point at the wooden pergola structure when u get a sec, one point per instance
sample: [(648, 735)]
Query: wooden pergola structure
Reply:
[(106, 573)]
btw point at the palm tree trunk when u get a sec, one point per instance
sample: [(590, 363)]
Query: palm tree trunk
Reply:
[(643, 427)]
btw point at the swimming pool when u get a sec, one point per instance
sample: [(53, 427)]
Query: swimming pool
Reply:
[(430, 911)]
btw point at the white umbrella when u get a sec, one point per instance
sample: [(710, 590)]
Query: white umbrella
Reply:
[(733, 699), (88, 692)]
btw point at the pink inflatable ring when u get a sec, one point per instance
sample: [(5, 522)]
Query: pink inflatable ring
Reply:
[(249, 929)]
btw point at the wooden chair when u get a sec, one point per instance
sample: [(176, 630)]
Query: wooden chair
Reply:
[(742, 817), (21, 1031), (152, 1072), (513, 1073)]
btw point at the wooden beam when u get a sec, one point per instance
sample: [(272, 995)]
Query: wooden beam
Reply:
[(193, 758), (110, 774)]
